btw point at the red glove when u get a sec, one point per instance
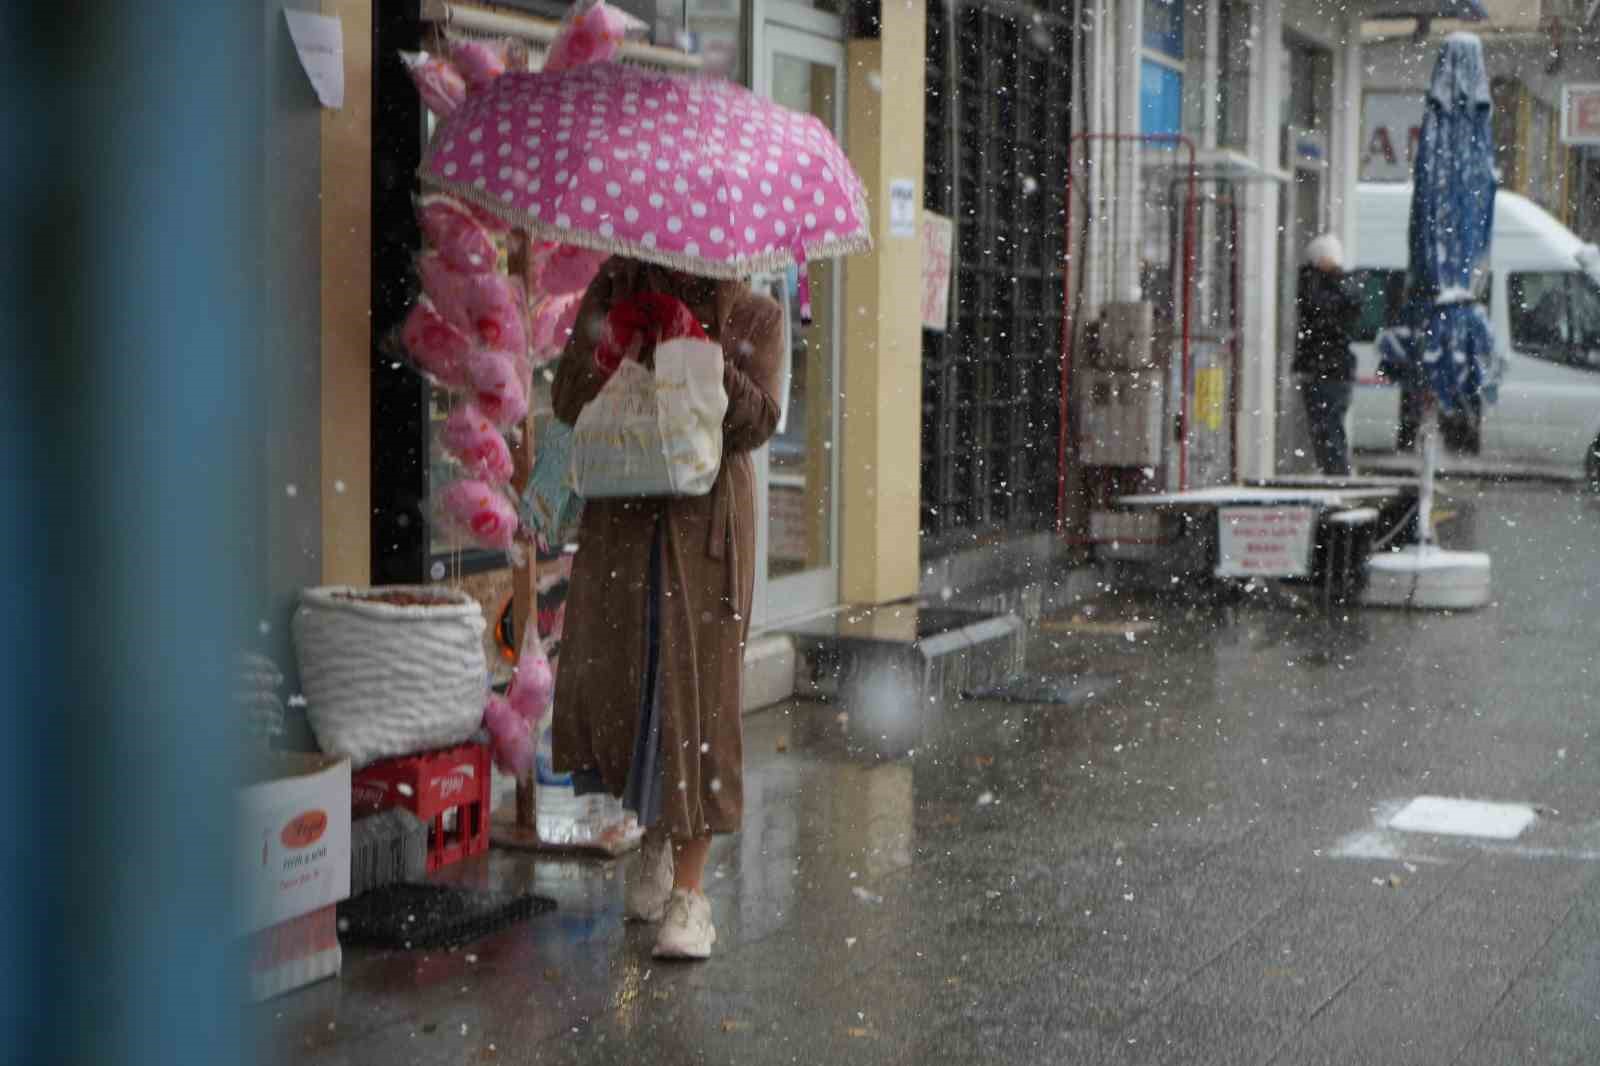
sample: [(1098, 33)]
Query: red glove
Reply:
[(651, 316)]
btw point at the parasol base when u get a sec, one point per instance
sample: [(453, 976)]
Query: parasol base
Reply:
[(1428, 577)]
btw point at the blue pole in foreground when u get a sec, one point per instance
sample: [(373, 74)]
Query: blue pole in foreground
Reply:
[(129, 206)]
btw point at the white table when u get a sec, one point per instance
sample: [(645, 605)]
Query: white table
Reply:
[(1346, 511)]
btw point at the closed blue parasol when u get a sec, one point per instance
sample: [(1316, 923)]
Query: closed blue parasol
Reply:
[(1452, 215), (1444, 341)]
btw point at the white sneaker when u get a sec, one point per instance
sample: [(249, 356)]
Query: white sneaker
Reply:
[(651, 883), (686, 929)]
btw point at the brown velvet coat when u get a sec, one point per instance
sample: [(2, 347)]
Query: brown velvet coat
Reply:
[(707, 574)]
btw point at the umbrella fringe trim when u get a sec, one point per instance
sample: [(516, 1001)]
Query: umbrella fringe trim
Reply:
[(777, 259)]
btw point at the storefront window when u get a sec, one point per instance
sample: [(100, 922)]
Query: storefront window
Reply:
[(1163, 27), (1310, 81), (1160, 98), (1161, 70), (1233, 73), (710, 29)]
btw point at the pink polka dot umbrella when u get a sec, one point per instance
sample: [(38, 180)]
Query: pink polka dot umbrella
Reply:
[(696, 174)]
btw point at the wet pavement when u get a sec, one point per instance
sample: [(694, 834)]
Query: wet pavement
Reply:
[(1188, 866)]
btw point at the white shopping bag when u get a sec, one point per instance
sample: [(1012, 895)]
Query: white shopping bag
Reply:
[(654, 433)]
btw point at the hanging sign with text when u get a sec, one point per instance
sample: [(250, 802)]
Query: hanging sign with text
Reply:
[(1264, 542), (902, 208)]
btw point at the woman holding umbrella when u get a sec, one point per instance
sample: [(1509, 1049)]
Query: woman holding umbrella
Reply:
[(690, 185), (659, 608)]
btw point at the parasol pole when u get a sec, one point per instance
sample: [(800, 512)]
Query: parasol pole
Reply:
[(1430, 464)]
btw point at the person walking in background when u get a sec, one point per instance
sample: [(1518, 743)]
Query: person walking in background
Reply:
[(1327, 304)]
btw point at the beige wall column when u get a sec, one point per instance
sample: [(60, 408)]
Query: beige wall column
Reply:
[(881, 413), (1255, 440), (346, 309)]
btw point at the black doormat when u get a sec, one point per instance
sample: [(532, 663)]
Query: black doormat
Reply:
[(410, 916), (1065, 691)]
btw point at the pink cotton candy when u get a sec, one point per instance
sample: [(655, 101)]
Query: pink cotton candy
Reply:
[(564, 269), (438, 82), (480, 62), (472, 438), (488, 307), (594, 35), (482, 512), (450, 290), (498, 387), (553, 320), (461, 240), (534, 687), (496, 312), (511, 741), (489, 220), (436, 347)]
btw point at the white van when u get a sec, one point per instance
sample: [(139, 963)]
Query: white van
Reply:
[(1544, 304)]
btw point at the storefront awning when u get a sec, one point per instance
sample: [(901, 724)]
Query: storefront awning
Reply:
[(1471, 10)]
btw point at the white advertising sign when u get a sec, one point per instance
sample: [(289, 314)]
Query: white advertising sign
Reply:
[(902, 208), (1580, 114), (1264, 542), (1391, 124)]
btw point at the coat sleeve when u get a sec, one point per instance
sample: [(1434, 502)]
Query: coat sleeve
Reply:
[(752, 369), (578, 380)]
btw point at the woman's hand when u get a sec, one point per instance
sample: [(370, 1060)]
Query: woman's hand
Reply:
[(647, 316)]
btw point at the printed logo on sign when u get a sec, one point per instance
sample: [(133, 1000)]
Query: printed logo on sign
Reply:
[(304, 830), (454, 782)]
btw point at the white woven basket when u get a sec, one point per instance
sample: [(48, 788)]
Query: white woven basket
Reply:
[(382, 679)]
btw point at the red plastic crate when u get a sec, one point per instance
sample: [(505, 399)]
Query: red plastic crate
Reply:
[(449, 789)]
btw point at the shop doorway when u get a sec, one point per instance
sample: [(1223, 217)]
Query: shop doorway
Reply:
[(797, 570), (1307, 71)]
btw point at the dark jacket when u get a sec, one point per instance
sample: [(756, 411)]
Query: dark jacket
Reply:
[(1328, 305)]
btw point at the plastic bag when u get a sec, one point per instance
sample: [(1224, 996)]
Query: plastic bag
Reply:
[(549, 505), (654, 433)]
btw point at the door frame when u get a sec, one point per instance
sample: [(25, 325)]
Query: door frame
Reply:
[(813, 591)]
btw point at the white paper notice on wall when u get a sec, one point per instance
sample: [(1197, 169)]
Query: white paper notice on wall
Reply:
[(1264, 542), (902, 207), (319, 41)]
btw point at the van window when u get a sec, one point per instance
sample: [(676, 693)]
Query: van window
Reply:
[(1381, 294), (1540, 317), (1555, 315)]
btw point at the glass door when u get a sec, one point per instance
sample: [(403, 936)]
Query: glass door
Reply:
[(797, 569)]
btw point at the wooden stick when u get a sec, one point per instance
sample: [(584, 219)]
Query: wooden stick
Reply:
[(524, 578)]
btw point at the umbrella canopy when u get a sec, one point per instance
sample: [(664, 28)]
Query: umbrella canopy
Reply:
[(1452, 216), (696, 174)]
